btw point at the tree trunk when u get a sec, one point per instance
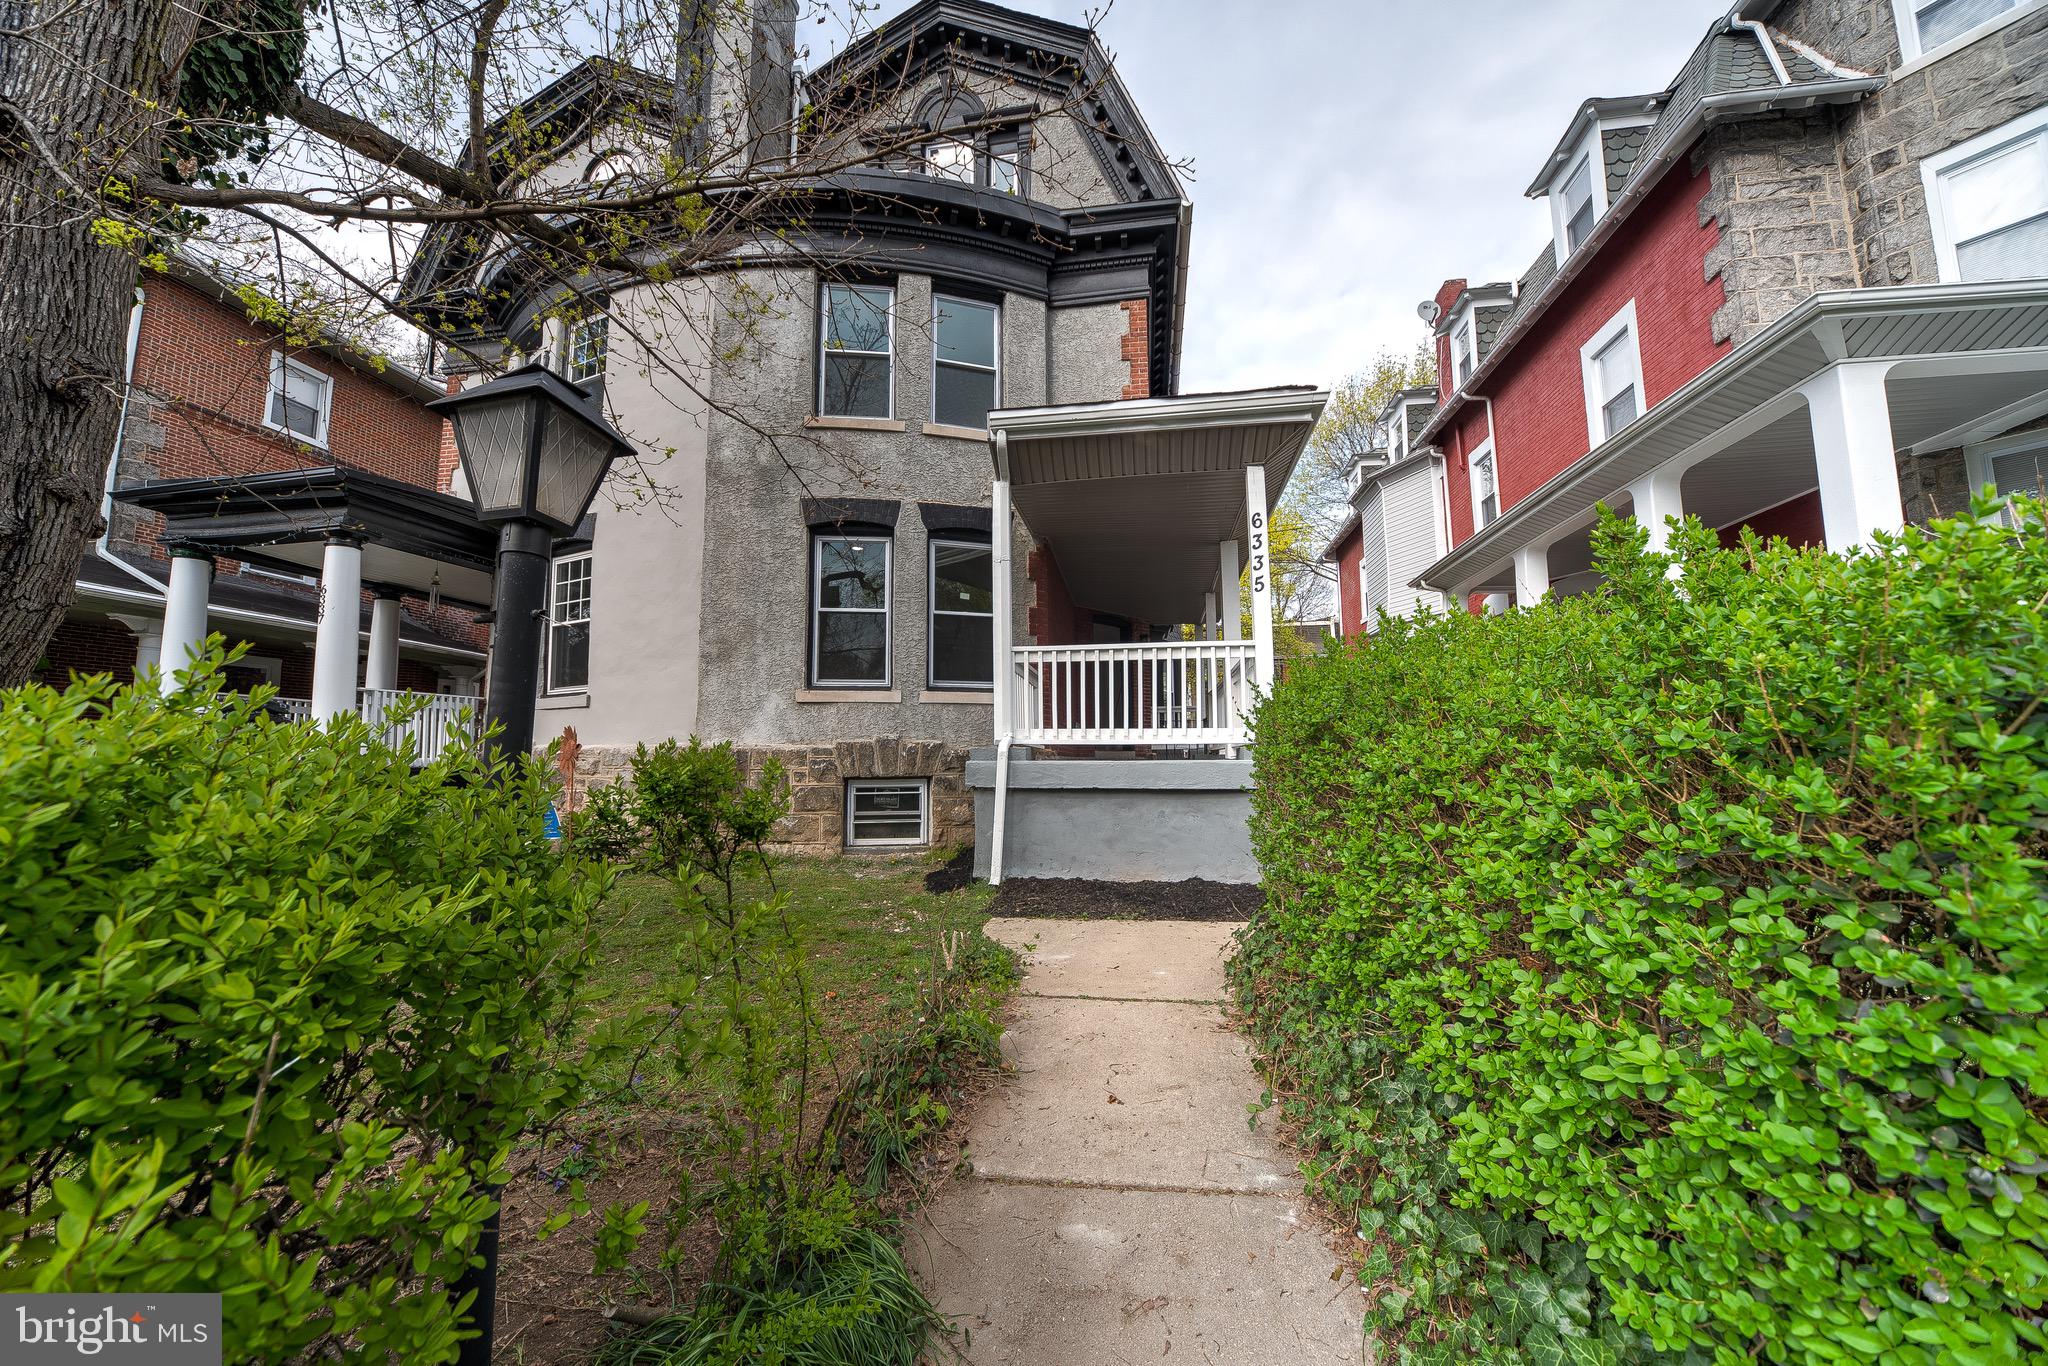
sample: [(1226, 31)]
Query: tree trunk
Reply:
[(83, 88)]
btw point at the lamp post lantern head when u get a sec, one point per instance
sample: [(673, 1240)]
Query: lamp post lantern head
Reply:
[(534, 447)]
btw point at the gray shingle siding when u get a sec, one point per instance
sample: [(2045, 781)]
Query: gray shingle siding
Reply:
[(1488, 322), (1622, 148)]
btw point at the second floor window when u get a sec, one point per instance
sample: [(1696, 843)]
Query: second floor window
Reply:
[(963, 361), (1613, 373), (585, 350), (300, 398), (1928, 24), (1990, 203), (858, 344), (569, 625), (1485, 490), (850, 611), (963, 620)]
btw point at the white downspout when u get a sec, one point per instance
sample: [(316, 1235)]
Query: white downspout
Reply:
[(101, 546), (1770, 47), (999, 544)]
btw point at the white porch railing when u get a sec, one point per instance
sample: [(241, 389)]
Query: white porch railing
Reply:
[(1192, 692), (424, 718)]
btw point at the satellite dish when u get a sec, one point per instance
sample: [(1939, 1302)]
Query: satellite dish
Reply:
[(1428, 311)]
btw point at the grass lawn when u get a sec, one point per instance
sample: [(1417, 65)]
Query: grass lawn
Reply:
[(871, 931)]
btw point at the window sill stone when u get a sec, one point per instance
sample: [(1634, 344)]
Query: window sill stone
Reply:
[(952, 433), (849, 695), (561, 701), (854, 424)]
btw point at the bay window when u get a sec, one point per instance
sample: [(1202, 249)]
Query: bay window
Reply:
[(857, 345), (964, 352)]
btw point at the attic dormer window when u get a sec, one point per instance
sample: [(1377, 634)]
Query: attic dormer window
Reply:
[(995, 159), (1578, 209), (1462, 355), (951, 159)]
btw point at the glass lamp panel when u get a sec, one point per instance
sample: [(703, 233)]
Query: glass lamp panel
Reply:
[(572, 464), (493, 438)]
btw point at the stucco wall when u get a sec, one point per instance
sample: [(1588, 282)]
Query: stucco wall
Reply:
[(1088, 342)]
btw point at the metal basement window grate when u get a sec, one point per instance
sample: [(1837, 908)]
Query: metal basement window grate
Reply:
[(885, 811)]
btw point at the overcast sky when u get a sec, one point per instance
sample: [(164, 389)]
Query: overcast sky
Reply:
[(1351, 155)]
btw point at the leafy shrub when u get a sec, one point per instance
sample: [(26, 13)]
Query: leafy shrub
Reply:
[(272, 1008), (1702, 922)]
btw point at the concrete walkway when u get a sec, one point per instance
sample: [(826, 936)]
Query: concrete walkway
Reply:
[(1120, 1207)]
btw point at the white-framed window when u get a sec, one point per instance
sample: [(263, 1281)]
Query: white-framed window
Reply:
[(1576, 209), (1485, 487), (2010, 464), (583, 354), (1464, 354), (857, 343), (966, 339), (1933, 28), (1612, 365), (961, 640), (885, 811), (952, 159), (850, 611), (300, 400), (568, 648), (1988, 199)]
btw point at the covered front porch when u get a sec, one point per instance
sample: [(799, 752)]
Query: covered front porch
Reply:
[(1121, 721), (1804, 431), (355, 531)]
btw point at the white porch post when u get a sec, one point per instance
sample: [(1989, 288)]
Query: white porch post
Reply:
[(999, 547), (1209, 615), (1256, 515), (184, 613), (149, 640), (380, 670), (1854, 453), (339, 624), (1532, 575), (1233, 621), (1658, 504)]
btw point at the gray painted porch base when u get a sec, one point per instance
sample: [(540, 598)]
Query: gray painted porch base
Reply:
[(1117, 820)]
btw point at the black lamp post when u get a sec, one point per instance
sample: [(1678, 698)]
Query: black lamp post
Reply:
[(534, 449)]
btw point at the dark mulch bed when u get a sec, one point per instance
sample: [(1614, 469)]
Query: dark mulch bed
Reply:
[(1072, 898), (956, 874)]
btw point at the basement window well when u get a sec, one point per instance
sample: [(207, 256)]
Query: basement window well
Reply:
[(881, 812)]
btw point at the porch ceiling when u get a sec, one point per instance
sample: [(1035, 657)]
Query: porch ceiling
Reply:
[(412, 537), (1964, 353), (1134, 497)]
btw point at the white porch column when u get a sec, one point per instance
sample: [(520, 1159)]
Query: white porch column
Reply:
[(1257, 513), (184, 613), (1497, 603), (380, 670), (1532, 575), (1854, 453), (999, 565), (1233, 620), (149, 640), (1209, 615), (1658, 504), (339, 625)]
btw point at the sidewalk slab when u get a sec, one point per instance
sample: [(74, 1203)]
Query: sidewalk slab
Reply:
[(1174, 960), (1042, 1277), (1150, 1095)]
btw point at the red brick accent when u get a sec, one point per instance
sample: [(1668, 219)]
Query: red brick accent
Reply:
[(1052, 618), (1350, 609), (1446, 294), (1798, 520), (1137, 348), (448, 458), (1657, 259)]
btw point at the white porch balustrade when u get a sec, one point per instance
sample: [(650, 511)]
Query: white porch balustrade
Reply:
[(1192, 693), (429, 721)]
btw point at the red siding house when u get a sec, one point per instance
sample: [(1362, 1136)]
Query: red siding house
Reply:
[(213, 392), (1778, 295)]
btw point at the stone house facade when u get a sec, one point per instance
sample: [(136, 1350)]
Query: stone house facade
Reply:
[(1799, 311), (207, 396), (800, 561)]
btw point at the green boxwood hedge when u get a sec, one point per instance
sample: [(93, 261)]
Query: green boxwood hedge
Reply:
[(272, 1006), (1662, 970)]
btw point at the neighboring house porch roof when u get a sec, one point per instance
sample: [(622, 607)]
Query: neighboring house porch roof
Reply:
[(412, 537), (1971, 361), (1134, 497)]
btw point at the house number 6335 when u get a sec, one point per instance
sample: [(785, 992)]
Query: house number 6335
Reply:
[(1258, 565)]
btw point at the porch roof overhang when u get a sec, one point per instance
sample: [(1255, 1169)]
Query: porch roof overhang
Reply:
[(412, 537), (1965, 354), (1134, 496)]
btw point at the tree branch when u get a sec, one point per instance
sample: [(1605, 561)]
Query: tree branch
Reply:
[(360, 135)]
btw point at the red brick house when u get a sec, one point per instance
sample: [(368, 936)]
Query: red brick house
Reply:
[(213, 392), (1801, 289)]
